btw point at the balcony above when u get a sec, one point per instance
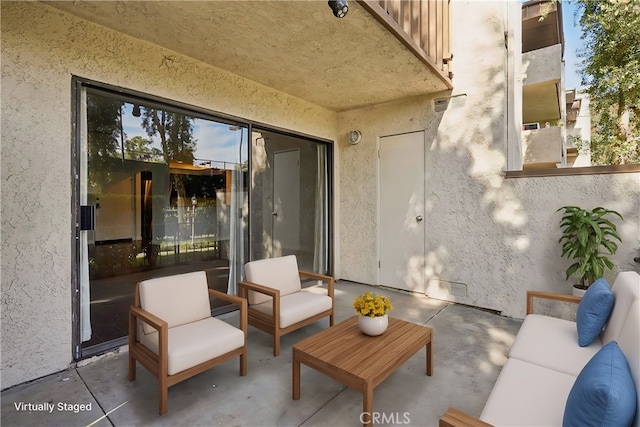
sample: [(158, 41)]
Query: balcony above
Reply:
[(542, 65), (541, 86), (298, 47), (541, 25), (542, 148)]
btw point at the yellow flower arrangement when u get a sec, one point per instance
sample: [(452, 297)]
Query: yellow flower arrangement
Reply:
[(369, 304)]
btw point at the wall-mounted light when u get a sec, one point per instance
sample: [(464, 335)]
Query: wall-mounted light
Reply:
[(354, 137), (339, 8)]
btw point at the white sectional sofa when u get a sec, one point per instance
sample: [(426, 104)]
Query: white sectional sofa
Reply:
[(546, 359)]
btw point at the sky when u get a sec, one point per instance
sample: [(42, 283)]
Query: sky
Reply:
[(572, 32), (216, 142)]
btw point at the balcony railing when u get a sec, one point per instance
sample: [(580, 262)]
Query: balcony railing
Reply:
[(541, 24), (422, 26)]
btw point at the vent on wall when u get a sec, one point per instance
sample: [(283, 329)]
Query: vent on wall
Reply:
[(458, 289), (441, 104)]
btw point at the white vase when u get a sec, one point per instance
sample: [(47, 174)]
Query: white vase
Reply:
[(579, 292), (373, 326)]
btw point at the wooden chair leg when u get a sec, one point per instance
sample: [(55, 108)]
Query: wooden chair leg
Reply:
[(132, 368), (164, 394), (276, 344), (243, 363)]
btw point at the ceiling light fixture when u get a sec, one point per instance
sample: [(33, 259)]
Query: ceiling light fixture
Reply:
[(339, 8)]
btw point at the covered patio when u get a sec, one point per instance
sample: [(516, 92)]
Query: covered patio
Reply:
[(487, 238), (470, 347)]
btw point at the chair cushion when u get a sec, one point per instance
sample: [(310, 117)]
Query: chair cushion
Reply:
[(604, 393), (178, 299), (196, 342), (593, 311), (552, 343), (278, 273), (296, 307), (527, 395)]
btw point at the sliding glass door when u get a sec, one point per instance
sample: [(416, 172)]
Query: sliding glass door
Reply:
[(162, 191), (290, 199)]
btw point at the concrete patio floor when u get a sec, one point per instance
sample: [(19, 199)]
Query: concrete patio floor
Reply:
[(470, 347)]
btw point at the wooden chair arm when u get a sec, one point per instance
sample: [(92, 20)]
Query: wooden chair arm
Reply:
[(151, 319), (315, 276), (456, 418), (163, 335), (226, 297), (551, 296), (244, 286), (241, 302)]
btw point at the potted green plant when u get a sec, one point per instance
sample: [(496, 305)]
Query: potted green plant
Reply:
[(588, 237)]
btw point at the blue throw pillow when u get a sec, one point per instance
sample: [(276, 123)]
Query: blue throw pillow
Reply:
[(604, 393), (593, 311)]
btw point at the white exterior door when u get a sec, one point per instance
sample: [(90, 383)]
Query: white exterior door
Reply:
[(401, 208)]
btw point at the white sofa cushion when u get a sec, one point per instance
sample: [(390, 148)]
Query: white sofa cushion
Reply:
[(552, 343), (178, 299), (278, 273), (196, 342), (629, 343), (527, 395), (296, 307)]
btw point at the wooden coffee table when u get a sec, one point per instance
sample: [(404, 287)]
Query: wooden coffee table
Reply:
[(359, 361)]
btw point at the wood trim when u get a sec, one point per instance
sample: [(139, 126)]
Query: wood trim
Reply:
[(588, 170), (550, 296), (431, 46), (456, 418)]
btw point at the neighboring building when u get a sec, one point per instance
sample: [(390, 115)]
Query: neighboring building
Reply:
[(549, 112), (543, 85), (144, 138), (578, 128)]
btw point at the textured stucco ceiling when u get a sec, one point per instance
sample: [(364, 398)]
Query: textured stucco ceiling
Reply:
[(297, 47)]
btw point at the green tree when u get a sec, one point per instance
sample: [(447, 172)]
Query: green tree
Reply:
[(138, 148), (610, 70), (178, 146), (104, 127), (104, 139)]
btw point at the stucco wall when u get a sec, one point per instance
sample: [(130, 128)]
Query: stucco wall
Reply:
[(498, 236), (41, 49)]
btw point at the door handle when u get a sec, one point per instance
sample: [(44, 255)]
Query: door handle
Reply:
[(274, 213), (419, 218)]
